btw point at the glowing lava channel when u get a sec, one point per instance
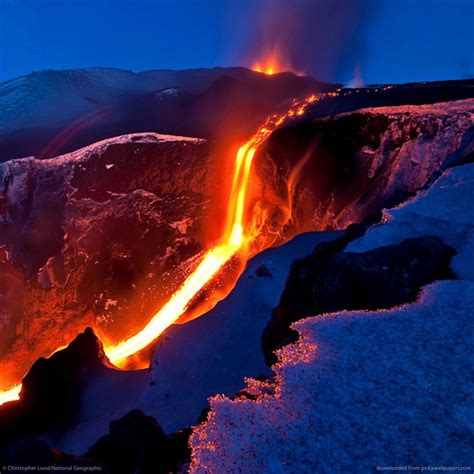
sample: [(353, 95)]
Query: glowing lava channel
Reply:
[(234, 239), (211, 263)]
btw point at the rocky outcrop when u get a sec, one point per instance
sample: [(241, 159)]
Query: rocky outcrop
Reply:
[(136, 443), (332, 172), (328, 281), (51, 391), (97, 237), (347, 100)]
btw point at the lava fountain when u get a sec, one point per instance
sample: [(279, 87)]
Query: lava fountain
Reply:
[(271, 64), (240, 231)]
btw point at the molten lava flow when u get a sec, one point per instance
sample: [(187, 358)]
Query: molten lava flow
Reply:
[(211, 263), (10, 395), (238, 234)]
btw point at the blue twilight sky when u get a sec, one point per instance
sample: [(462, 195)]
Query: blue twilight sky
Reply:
[(390, 40)]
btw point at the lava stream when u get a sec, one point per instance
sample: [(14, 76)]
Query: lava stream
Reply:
[(211, 263), (234, 240)]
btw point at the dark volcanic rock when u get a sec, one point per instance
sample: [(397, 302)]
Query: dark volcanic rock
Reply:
[(51, 391), (99, 237), (329, 281), (137, 444), (49, 403), (392, 95), (31, 452), (329, 173), (105, 234), (263, 271)]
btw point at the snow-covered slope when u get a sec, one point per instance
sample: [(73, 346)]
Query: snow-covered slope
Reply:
[(365, 389), (51, 112), (56, 97)]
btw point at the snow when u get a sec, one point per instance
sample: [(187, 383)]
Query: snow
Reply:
[(214, 353), (360, 390), (367, 389), (445, 109), (172, 91), (59, 97), (83, 154), (445, 210), (211, 354), (56, 98)]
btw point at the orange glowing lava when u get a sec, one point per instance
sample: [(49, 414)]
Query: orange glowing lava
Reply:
[(239, 232), (10, 395), (271, 64)]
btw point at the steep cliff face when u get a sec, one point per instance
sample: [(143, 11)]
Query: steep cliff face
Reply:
[(332, 172), (97, 237), (104, 235)]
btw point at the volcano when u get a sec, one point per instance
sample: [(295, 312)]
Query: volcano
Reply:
[(135, 233)]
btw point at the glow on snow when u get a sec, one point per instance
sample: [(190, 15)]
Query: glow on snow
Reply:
[(233, 241)]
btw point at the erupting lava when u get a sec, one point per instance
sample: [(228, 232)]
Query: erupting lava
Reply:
[(271, 64), (237, 236)]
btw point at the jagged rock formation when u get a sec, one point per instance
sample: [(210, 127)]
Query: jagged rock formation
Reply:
[(326, 282), (352, 165), (97, 237), (51, 390)]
